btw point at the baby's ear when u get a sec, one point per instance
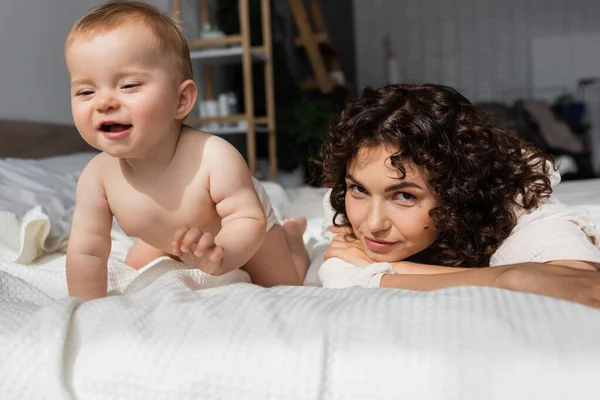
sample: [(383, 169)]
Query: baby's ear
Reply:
[(187, 94)]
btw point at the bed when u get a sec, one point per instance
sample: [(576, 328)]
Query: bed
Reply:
[(171, 332)]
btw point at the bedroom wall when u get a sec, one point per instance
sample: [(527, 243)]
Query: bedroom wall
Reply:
[(482, 47), (34, 84)]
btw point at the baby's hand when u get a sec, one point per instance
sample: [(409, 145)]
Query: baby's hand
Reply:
[(198, 249)]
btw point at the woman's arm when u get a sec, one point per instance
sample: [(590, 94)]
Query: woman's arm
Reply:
[(349, 250), (577, 264), (563, 279), (410, 268), (426, 280), (552, 280), (465, 276)]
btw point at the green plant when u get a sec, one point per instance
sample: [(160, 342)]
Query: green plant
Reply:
[(312, 117), (306, 123)]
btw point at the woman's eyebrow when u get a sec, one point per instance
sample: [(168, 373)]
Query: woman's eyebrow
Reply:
[(353, 179), (402, 185), (398, 186)]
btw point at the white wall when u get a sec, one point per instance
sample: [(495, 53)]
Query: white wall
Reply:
[(481, 47), (561, 61), (34, 83)]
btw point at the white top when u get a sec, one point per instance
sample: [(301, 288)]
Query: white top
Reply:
[(551, 232)]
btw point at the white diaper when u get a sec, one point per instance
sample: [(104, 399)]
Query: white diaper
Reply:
[(272, 219)]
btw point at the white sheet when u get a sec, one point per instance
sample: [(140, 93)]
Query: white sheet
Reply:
[(37, 204), (585, 194), (165, 338), (178, 333)]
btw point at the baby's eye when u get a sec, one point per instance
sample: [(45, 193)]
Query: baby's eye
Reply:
[(85, 92), (130, 85)]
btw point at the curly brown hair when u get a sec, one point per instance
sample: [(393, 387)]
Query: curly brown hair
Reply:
[(480, 172)]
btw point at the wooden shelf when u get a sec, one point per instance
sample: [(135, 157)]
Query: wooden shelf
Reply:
[(205, 120), (229, 118), (214, 42), (232, 130), (227, 54), (212, 52)]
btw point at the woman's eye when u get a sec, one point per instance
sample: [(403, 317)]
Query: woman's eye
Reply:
[(405, 197), (357, 189)]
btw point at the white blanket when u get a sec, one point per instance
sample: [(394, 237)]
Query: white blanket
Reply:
[(36, 207), (170, 332), (174, 334)]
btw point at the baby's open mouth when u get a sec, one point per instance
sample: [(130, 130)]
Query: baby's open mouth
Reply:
[(114, 127)]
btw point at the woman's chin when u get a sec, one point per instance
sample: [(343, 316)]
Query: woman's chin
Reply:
[(382, 257)]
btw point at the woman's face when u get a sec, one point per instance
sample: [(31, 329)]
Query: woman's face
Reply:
[(389, 215)]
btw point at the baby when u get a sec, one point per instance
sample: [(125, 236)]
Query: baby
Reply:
[(180, 191)]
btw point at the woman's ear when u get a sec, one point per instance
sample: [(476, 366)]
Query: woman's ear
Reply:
[(186, 99)]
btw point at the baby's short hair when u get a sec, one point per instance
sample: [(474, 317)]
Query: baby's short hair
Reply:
[(113, 14)]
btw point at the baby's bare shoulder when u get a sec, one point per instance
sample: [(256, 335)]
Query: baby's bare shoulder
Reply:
[(191, 135), (210, 148), (198, 139), (100, 168)]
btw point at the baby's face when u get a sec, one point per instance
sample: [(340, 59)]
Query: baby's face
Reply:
[(124, 92)]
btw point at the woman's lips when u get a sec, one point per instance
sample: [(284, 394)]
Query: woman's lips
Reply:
[(378, 245)]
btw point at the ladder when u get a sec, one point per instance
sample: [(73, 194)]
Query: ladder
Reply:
[(322, 54)]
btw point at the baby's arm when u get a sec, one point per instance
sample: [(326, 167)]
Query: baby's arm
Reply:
[(90, 241), (232, 190)]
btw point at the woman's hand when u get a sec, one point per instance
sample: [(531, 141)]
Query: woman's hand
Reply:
[(347, 265), (347, 248)]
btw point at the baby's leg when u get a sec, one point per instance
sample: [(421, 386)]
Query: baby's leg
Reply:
[(141, 253), (282, 259), (294, 230)]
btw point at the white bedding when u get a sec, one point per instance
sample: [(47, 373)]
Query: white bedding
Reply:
[(171, 332)]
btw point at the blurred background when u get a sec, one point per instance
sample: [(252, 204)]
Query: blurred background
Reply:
[(534, 64)]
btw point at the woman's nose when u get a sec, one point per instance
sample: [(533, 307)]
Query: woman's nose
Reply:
[(378, 220)]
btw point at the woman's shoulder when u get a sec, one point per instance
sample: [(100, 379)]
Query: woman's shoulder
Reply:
[(549, 232), (554, 177)]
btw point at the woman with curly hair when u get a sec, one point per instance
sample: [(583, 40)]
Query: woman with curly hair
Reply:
[(426, 190)]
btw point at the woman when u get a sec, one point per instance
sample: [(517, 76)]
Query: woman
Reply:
[(426, 190)]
